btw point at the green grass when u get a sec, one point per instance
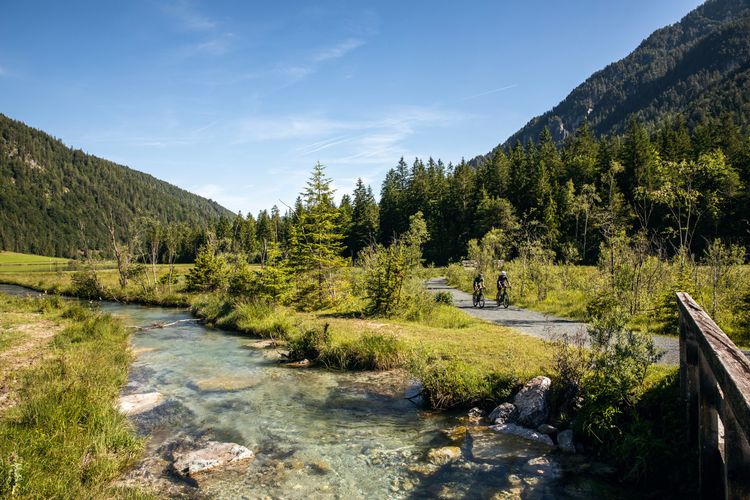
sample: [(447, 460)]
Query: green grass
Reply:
[(60, 282), (65, 438), (443, 345), (27, 258), (11, 262), (570, 290)]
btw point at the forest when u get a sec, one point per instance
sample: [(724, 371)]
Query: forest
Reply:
[(698, 67), (674, 189), (55, 200)]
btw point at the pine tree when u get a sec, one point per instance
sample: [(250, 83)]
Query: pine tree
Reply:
[(364, 228), (316, 242)]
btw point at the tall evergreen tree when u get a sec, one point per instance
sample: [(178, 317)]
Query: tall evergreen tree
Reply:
[(316, 242), (364, 228)]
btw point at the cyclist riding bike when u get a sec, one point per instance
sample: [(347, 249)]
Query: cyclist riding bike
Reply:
[(478, 297), (478, 283), (503, 284)]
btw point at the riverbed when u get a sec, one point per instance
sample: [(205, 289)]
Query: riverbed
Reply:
[(318, 433)]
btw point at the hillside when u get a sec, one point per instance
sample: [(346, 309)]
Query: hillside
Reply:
[(698, 67), (52, 196)]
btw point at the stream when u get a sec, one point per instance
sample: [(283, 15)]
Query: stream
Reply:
[(318, 433)]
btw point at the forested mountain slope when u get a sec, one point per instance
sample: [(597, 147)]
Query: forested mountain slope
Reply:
[(698, 67), (54, 199)]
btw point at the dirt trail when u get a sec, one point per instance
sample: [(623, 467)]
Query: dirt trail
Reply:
[(35, 334), (536, 324)]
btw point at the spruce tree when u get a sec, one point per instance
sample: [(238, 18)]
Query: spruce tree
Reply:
[(316, 242)]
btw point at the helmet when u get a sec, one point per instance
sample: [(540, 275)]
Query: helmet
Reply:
[(481, 275), (502, 273)]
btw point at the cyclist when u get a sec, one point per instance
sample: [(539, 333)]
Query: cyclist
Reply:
[(478, 283), (503, 283)]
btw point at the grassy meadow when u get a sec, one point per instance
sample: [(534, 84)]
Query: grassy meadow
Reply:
[(61, 435), (575, 292)]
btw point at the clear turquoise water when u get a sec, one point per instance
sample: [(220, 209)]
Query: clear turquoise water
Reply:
[(317, 433)]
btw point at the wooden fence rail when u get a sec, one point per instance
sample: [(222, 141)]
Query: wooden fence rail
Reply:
[(715, 384)]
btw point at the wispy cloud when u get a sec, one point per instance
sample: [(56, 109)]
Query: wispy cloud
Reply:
[(188, 17), (488, 92), (296, 71), (337, 51)]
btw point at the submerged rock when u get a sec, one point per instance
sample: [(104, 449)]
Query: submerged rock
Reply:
[(506, 413), (531, 402), (224, 384), (565, 441), (523, 432), (261, 344), (135, 404), (212, 456), (457, 433), (444, 455), (543, 467), (299, 364)]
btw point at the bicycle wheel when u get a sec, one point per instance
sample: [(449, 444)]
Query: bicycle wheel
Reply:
[(506, 300), (474, 299), (480, 302)]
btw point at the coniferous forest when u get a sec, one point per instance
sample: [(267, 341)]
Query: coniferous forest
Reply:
[(673, 187), (55, 200)]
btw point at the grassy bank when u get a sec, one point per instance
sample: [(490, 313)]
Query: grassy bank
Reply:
[(60, 282), (64, 438), (459, 359)]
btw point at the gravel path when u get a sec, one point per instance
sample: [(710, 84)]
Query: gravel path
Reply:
[(536, 324)]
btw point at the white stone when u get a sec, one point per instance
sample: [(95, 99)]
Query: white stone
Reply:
[(531, 402), (134, 404), (211, 456)]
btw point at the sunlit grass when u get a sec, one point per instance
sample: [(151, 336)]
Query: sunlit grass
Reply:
[(65, 438)]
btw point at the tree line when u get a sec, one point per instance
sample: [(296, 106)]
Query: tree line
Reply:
[(676, 188)]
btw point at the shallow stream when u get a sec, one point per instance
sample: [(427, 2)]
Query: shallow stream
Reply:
[(323, 434)]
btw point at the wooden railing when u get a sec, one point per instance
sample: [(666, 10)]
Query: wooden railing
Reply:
[(715, 383)]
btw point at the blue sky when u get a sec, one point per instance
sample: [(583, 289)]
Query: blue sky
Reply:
[(237, 100)]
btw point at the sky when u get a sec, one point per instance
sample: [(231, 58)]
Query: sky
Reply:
[(237, 100)]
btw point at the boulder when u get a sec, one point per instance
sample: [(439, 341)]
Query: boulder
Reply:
[(475, 415), (531, 402), (565, 441), (506, 413), (134, 404), (444, 455), (523, 432), (212, 456)]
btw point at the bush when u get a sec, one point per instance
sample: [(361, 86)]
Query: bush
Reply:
[(310, 344), (209, 273), (85, 284), (255, 317), (445, 298), (448, 384)]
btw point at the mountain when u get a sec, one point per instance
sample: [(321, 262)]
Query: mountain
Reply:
[(53, 197), (698, 67)]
